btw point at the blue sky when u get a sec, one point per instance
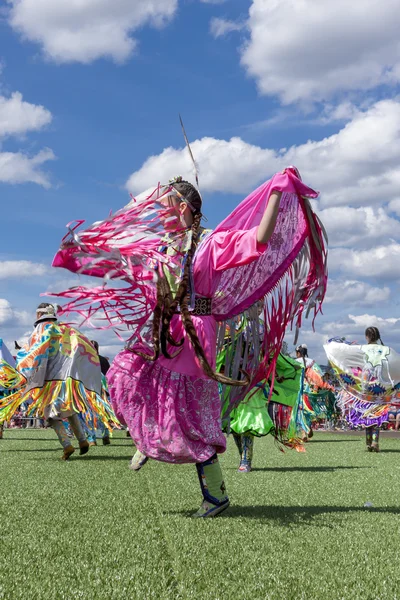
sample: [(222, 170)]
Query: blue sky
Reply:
[(259, 84)]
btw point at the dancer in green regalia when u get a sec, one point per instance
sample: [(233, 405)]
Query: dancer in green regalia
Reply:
[(262, 412)]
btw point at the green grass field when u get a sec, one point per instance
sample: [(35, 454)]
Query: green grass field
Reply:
[(297, 527)]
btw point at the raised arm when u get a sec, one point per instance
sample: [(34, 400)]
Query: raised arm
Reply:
[(268, 222)]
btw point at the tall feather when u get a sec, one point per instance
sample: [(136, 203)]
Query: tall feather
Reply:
[(190, 152)]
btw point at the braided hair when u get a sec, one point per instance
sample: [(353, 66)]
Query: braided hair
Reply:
[(167, 304), (372, 334), (303, 351)]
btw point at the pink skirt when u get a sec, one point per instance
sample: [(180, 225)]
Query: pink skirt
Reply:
[(171, 416)]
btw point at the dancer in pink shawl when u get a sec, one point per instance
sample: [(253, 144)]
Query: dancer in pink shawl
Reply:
[(164, 385)]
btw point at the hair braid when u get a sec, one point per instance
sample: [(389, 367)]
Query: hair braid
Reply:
[(182, 298), (166, 305), (181, 293), (167, 314), (156, 325), (166, 308), (372, 333)]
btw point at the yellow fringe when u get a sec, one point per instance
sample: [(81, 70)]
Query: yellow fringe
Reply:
[(72, 399)]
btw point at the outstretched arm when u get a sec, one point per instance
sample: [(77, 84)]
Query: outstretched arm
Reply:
[(268, 222)]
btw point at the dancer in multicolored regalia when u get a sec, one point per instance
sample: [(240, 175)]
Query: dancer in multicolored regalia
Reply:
[(265, 412), (8, 376), (369, 376), (58, 375), (317, 401), (182, 280)]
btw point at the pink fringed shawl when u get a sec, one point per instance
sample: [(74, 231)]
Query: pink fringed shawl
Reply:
[(289, 276), (124, 248)]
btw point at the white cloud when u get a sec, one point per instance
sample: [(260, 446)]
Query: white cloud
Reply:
[(394, 206), (10, 316), (6, 311), (359, 226), (355, 293), (85, 30), (310, 50), (16, 167), (344, 111), (380, 262), (110, 351), (17, 269), (225, 166), (18, 117), (59, 284), (220, 27), (109, 343), (357, 166), (18, 331), (364, 321)]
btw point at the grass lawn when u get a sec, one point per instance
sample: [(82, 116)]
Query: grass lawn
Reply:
[(297, 527)]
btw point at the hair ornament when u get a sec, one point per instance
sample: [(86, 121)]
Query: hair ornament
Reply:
[(177, 179), (303, 346), (50, 309)]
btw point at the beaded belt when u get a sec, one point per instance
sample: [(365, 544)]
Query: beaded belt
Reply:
[(202, 307)]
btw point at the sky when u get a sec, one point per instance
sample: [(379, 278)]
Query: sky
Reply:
[(90, 93)]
